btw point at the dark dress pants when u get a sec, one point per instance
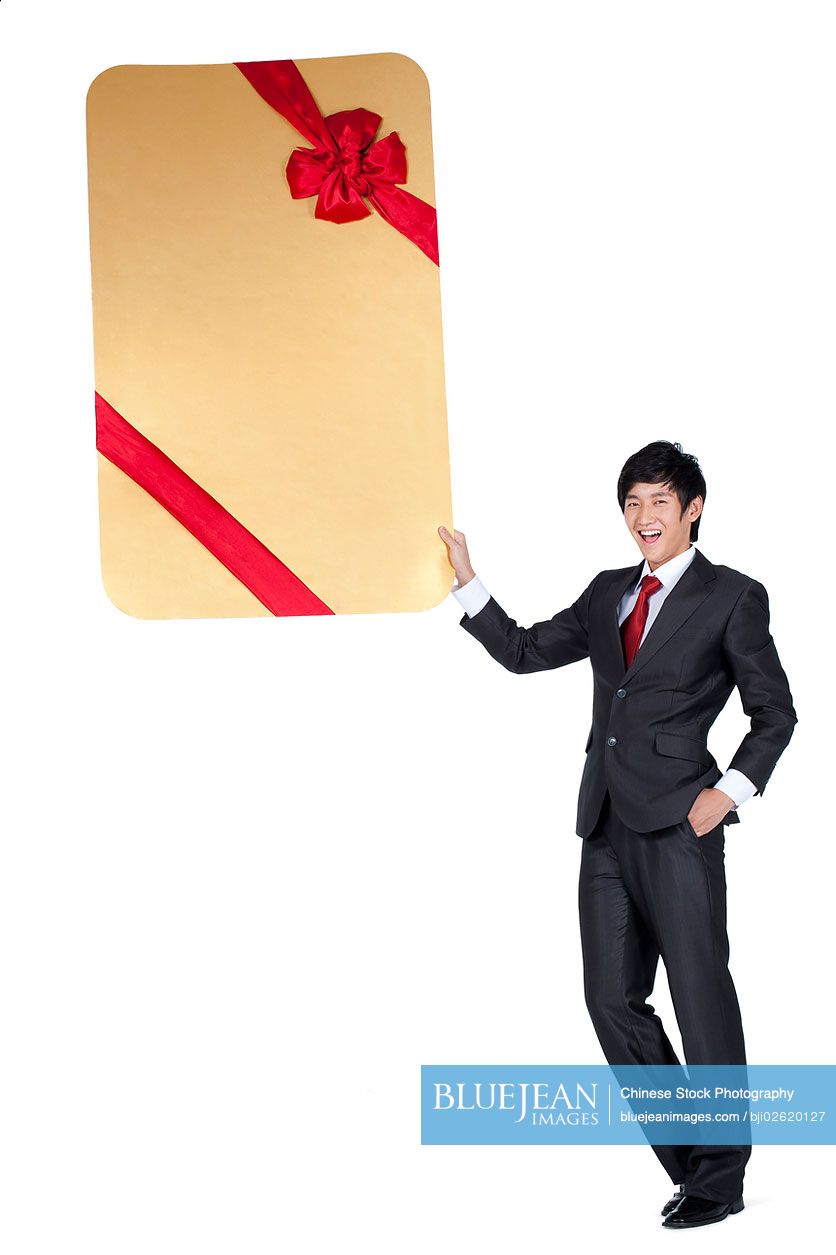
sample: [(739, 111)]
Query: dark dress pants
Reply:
[(646, 894)]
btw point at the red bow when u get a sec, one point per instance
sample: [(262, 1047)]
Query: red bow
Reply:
[(344, 166)]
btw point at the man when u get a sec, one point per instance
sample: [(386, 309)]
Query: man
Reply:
[(668, 640)]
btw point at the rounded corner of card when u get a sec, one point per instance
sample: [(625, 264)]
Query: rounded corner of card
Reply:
[(114, 600), (402, 56), (111, 69)]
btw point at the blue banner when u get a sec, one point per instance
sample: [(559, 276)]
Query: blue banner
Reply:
[(597, 1104)]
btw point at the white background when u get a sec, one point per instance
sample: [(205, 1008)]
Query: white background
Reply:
[(255, 873)]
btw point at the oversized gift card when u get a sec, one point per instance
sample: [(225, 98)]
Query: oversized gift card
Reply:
[(270, 414)]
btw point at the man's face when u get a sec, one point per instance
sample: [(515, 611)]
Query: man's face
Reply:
[(651, 512)]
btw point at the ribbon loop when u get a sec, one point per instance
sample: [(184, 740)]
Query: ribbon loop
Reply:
[(353, 128), (306, 171), (386, 160), (340, 199)]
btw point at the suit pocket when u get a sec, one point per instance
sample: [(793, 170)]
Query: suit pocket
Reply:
[(678, 745)]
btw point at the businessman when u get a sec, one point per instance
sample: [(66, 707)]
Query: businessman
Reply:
[(668, 640)]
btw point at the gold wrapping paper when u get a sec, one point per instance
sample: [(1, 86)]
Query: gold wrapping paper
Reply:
[(292, 367)]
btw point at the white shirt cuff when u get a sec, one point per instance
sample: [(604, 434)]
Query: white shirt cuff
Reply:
[(736, 786), (471, 596)]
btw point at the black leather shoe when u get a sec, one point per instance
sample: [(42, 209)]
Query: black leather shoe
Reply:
[(693, 1211), (674, 1201)]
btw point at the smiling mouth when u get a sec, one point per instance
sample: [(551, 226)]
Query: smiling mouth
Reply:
[(650, 535)]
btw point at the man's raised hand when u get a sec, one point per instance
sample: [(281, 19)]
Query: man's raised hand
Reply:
[(458, 555)]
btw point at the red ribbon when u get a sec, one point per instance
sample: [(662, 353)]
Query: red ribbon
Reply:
[(344, 166), (274, 584)]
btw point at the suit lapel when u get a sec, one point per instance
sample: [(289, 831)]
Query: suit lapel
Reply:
[(689, 592)]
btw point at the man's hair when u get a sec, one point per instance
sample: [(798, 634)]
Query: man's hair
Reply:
[(664, 463)]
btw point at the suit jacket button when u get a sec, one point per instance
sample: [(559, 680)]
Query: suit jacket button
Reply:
[(621, 692), (612, 740)]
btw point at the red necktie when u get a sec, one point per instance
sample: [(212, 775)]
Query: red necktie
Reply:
[(633, 626)]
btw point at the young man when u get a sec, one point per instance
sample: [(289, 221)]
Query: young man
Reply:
[(668, 640)]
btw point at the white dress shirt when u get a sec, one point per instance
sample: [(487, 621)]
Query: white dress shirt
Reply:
[(473, 597)]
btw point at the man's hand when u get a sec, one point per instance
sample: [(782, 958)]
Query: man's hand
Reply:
[(458, 555), (710, 808)]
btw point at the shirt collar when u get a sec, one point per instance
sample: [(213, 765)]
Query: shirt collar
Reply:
[(670, 571)]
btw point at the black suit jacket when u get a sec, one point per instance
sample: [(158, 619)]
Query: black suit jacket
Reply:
[(648, 744)]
